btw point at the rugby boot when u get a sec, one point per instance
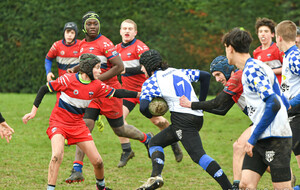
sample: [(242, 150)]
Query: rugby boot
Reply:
[(102, 188), (75, 177), (152, 183), (125, 157), (177, 152)]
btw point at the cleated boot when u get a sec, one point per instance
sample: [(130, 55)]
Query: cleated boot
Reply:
[(152, 183), (75, 177), (177, 152), (102, 188), (125, 157)]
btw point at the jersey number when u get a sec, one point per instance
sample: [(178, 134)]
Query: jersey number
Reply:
[(182, 87)]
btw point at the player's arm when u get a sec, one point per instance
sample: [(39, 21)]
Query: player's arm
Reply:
[(123, 93), (48, 65), (134, 70), (5, 130), (271, 110), (204, 79), (38, 99), (116, 69), (144, 108), (220, 105)]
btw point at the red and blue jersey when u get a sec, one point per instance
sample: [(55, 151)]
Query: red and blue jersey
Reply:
[(234, 87), (67, 56), (130, 55), (75, 95), (105, 50), (272, 56)]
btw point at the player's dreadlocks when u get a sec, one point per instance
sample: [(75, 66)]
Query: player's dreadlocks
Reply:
[(152, 61), (220, 63), (87, 62), (87, 16)]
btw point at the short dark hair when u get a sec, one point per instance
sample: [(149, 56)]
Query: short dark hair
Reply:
[(265, 22), (239, 39)]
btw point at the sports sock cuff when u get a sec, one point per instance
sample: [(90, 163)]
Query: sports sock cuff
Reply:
[(78, 162), (145, 138), (205, 160), (51, 187), (126, 147), (155, 148)]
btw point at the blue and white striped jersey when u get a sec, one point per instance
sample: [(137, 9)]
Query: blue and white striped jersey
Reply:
[(171, 84), (259, 82)]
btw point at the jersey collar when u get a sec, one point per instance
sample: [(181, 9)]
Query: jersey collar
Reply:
[(79, 77)]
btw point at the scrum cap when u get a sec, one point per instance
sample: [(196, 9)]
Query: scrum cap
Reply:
[(87, 16), (220, 63), (87, 62), (71, 26), (151, 60)]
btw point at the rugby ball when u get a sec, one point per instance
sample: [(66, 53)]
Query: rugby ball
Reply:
[(158, 106)]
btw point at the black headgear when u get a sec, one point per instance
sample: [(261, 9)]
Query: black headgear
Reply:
[(151, 60), (87, 16), (71, 26), (220, 63), (87, 62)]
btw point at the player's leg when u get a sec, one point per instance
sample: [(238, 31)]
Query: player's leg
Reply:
[(127, 152), (249, 180), (188, 133), (295, 126), (57, 144), (280, 162), (238, 155), (89, 148), (156, 148), (163, 123), (90, 116)]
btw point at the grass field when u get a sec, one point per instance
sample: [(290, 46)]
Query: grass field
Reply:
[(24, 161)]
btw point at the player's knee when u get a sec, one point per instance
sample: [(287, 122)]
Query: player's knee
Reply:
[(57, 158), (119, 131), (246, 185), (98, 163), (238, 147), (160, 122)]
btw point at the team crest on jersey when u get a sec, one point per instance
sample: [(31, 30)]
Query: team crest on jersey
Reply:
[(75, 92), (270, 155), (75, 52), (179, 134), (269, 55), (91, 49), (114, 53), (91, 93), (128, 54), (259, 57), (62, 53)]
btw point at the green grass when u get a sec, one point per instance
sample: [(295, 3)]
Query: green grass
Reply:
[(24, 161)]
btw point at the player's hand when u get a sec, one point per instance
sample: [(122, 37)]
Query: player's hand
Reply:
[(50, 76), (248, 149), (138, 95), (184, 102), (6, 131), (27, 117)]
